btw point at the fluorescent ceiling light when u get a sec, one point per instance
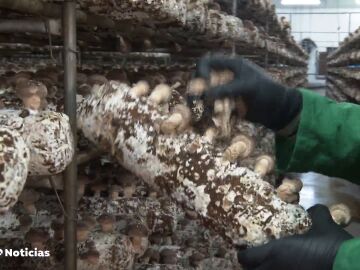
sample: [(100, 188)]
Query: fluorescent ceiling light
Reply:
[(303, 2)]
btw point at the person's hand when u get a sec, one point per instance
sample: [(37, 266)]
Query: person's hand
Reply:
[(267, 102), (314, 250)]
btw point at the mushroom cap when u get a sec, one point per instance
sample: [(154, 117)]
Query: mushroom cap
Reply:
[(183, 110), (168, 256), (147, 43), (36, 235), (141, 88), (81, 78), (161, 93), (23, 74), (25, 220), (29, 88), (89, 221), (186, 116), (137, 230), (269, 159), (127, 179), (91, 256), (82, 226), (155, 79), (197, 87), (84, 89), (29, 196), (106, 219), (295, 184), (57, 225), (48, 82), (178, 76), (117, 75), (341, 214), (96, 79), (241, 147)]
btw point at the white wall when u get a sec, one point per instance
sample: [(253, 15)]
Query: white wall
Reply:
[(325, 29)]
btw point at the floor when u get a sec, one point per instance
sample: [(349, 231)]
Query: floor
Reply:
[(321, 189)]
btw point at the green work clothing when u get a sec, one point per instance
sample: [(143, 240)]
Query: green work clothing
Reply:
[(327, 142)]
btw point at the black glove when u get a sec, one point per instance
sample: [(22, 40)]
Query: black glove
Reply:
[(267, 102), (314, 250)]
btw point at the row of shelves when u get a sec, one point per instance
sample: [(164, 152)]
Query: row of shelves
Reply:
[(349, 88), (178, 27), (343, 80)]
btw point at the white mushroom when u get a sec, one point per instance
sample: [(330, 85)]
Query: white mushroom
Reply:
[(141, 88), (241, 147), (178, 121), (341, 214), (289, 190), (160, 94), (264, 164)]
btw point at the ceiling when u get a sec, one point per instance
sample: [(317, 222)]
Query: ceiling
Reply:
[(325, 4)]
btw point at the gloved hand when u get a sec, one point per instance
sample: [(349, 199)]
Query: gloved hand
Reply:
[(267, 102), (314, 250)]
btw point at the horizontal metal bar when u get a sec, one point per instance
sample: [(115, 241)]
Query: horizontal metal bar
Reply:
[(31, 25)]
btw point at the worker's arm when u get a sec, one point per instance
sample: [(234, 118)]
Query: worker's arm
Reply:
[(318, 135), (347, 257), (327, 140)]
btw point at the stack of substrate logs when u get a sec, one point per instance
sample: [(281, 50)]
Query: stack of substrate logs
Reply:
[(163, 216), (343, 70)]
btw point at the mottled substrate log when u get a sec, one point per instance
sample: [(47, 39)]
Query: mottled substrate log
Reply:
[(231, 198), (347, 87), (334, 93), (346, 72), (346, 58), (35, 144), (48, 136), (264, 16), (194, 17), (349, 42), (168, 238), (14, 161)]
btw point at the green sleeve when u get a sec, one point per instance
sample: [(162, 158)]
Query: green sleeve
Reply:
[(327, 141), (347, 257)]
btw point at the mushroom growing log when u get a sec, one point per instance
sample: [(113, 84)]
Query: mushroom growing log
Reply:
[(232, 199), (47, 135), (37, 144), (14, 163)]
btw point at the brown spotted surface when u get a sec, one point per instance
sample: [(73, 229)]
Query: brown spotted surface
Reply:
[(14, 160), (47, 135), (228, 197)]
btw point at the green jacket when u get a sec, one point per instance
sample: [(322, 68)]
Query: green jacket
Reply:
[(327, 142)]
